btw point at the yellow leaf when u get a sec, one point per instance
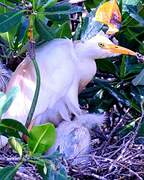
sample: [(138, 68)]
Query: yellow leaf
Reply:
[(109, 14)]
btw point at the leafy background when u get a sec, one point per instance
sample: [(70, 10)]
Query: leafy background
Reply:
[(117, 87)]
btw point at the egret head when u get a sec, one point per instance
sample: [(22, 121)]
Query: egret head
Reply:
[(100, 46)]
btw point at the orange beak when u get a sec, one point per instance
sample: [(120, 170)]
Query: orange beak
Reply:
[(109, 14), (119, 50)]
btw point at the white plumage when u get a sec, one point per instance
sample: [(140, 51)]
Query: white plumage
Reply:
[(73, 138), (66, 67)]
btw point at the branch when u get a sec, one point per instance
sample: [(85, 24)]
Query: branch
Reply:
[(75, 1), (140, 122), (24, 176), (31, 52), (11, 159), (6, 6), (114, 130)]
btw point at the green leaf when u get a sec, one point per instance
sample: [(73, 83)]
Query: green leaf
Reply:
[(92, 3), (132, 10), (63, 31), (16, 145), (8, 173), (45, 169), (63, 8), (49, 3), (141, 130), (134, 68), (58, 12), (120, 5), (43, 30), (9, 20), (131, 2), (106, 65), (127, 128), (89, 92), (14, 1), (17, 34), (46, 3), (123, 67), (90, 27), (7, 99), (112, 91), (139, 79), (134, 105), (136, 97), (60, 174), (53, 172), (3, 99), (61, 11), (10, 97), (41, 138), (11, 127)]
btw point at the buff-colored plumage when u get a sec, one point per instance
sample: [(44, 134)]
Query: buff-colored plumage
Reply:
[(66, 67)]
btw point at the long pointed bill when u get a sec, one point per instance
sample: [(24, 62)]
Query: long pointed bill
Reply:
[(119, 50)]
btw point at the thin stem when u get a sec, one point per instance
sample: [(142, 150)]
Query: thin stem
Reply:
[(6, 6), (135, 38), (38, 79), (36, 94), (34, 5), (140, 121)]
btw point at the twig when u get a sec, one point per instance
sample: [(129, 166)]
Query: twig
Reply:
[(95, 176), (71, 1), (75, 1), (130, 170), (6, 6), (139, 123), (12, 159), (114, 130), (123, 150), (121, 156), (22, 175)]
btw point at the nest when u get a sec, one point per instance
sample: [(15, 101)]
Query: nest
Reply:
[(119, 157), (122, 160), (26, 172)]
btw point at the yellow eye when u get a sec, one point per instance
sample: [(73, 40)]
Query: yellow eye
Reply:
[(101, 45)]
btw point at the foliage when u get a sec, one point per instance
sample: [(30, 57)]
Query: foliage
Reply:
[(41, 138), (120, 87), (118, 83), (16, 146), (6, 99), (11, 127), (9, 172), (51, 20)]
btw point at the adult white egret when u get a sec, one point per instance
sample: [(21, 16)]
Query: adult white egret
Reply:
[(66, 67)]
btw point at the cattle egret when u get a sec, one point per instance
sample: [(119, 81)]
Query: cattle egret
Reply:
[(66, 67)]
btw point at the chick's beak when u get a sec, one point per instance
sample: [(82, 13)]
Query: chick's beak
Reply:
[(119, 49)]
